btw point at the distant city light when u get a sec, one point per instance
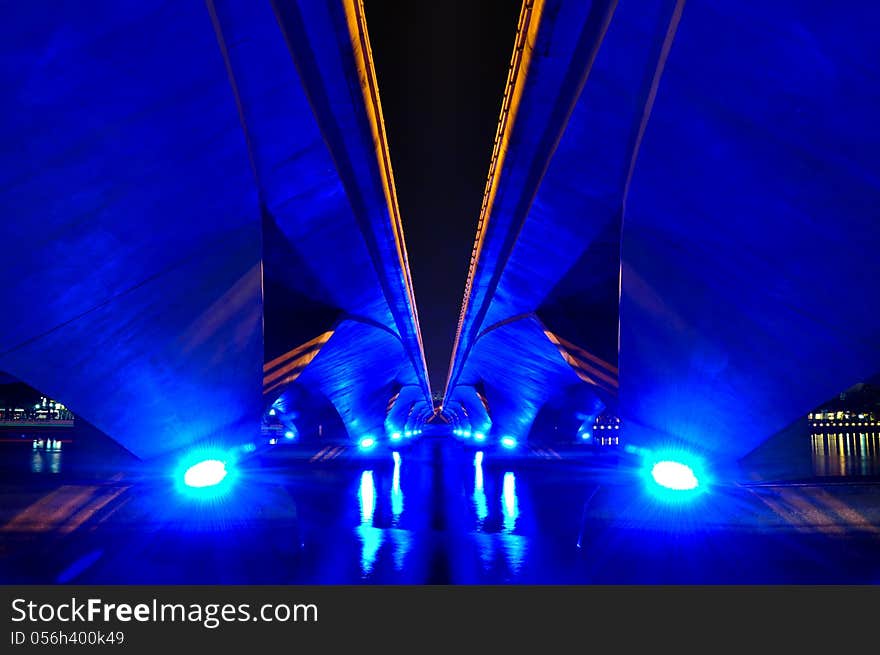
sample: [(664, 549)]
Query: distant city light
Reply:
[(508, 442), (207, 473)]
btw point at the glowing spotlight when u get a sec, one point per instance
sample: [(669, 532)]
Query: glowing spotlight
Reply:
[(508, 442), (207, 473), (366, 443), (396, 436), (289, 434), (408, 433), (479, 436), (674, 475), (272, 412)]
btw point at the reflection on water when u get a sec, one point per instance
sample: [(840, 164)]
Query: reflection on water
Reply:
[(402, 540), (514, 545), (367, 498), (846, 454), (509, 504), (481, 507), (371, 537), (46, 456), (396, 493), (488, 541)]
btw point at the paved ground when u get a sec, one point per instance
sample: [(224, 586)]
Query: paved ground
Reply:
[(440, 514)]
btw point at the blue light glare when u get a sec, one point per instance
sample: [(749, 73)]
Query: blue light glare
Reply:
[(466, 433), (408, 433), (289, 435), (272, 412), (674, 475), (207, 473), (395, 436), (508, 442), (366, 443), (479, 436)]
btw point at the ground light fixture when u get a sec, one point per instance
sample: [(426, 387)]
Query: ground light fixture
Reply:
[(395, 436), (508, 442), (205, 474), (366, 443), (478, 436), (675, 477)]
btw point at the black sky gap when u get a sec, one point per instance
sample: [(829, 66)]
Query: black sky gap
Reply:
[(441, 69)]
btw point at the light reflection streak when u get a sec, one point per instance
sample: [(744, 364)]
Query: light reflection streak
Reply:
[(481, 506), (509, 503), (396, 492)]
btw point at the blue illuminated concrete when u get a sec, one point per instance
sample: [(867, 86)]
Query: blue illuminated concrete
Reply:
[(717, 167), (159, 198)]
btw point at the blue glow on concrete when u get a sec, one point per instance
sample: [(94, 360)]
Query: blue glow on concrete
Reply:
[(366, 443), (508, 442)]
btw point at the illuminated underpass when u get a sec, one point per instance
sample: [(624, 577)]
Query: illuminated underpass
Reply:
[(678, 229), (207, 227), (674, 268)]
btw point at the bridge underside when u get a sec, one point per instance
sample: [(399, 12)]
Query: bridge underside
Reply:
[(200, 192), (710, 170)]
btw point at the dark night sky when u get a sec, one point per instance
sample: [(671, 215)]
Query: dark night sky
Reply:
[(441, 68)]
